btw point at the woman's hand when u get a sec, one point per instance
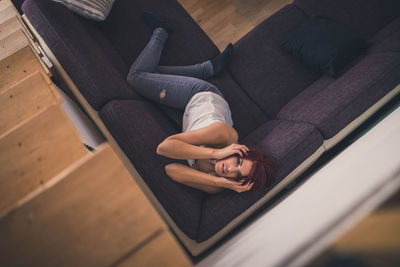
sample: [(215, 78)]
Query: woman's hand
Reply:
[(230, 150), (236, 186)]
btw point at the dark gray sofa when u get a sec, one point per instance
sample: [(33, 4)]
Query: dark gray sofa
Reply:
[(277, 104)]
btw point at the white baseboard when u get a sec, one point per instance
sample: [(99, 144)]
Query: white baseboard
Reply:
[(88, 131)]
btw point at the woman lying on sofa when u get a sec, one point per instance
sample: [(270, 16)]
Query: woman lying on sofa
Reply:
[(208, 141)]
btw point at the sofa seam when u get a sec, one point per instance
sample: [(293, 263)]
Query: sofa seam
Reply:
[(248, 96)]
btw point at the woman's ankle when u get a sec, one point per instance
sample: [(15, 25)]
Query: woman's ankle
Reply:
[(220, 62)]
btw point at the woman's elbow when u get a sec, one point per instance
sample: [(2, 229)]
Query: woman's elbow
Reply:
[(165, 146)]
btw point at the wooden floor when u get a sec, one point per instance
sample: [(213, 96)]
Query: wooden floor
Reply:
[(226, 21)]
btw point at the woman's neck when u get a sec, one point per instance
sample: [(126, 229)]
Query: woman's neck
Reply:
[(206, 165)]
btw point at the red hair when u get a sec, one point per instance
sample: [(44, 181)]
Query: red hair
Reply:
[(263, 171)]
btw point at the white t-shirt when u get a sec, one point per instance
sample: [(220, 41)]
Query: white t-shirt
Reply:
[(204, 109)]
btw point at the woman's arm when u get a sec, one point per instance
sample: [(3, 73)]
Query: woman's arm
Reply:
[(187, 145), (203, 181)]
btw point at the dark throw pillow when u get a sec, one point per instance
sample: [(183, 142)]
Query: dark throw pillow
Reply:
[(324, 46)]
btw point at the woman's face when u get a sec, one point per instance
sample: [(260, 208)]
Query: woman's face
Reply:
[(233, 167)]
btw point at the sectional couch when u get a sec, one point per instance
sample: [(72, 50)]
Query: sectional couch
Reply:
[(278, 105)]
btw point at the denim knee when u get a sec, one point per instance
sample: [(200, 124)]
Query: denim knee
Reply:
[(208, 87), (130, 78)]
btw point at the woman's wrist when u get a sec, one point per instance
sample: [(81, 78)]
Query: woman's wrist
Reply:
[(223, 182), (213, 153)]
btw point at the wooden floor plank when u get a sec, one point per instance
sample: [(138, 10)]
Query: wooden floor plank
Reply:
[(25, 100), (9, 26), (161, 251), (17, 66), (13, 24), (12, 44), (92, 217), (226, 21), (35, 152), (5, 4), (7, 13)]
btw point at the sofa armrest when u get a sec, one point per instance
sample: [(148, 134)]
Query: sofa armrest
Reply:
[(69, 37)]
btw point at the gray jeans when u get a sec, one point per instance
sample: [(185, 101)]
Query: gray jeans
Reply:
[(172, 86)]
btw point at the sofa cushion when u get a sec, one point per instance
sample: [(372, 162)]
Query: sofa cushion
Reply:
[(332, 105), (324, 46), (270, 76), (290, 143), (96, 10), (139, 127), (362, 17)]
